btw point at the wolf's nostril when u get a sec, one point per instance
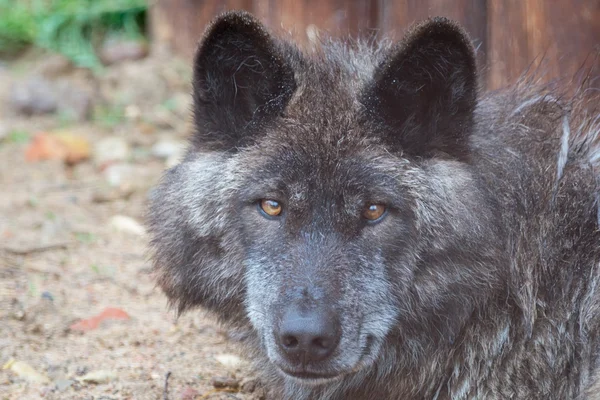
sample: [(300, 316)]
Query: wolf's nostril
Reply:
[(289, 341), (321, 342)]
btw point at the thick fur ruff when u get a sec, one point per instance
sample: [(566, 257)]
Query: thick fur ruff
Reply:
[(482, 279)]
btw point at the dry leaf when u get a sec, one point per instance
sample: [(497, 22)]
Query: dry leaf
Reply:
[(78, 149), (25, 371), (101, 376), (63, 146), (89, 324), (44, 147)]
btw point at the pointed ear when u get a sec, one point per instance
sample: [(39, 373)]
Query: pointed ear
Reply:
[(425, 92), (241, 81)]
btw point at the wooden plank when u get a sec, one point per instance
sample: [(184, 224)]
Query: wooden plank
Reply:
[(510, 34), (559, 35), (181, 23), (330, 17)]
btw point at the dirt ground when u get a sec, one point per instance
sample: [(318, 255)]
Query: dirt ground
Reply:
[(64, 257)]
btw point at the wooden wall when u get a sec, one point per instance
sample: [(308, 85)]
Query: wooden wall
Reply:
[(510, 35)]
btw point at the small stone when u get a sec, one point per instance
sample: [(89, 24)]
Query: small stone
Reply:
[(133, 112), (222, 382), (145, 127), (117, 51), (47, 296), (119, 176), (54, 65), (19, 315), (122, 223), (63, 384), (54, 370), (111, 149), (74, 100), (33, 96), (188, 394), (112, 193), (229, 360), (167, 148)]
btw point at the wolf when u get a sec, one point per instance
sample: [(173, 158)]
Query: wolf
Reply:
[(375, 226)]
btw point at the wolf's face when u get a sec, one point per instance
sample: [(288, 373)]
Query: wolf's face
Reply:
[(327, 201), (318, 237)]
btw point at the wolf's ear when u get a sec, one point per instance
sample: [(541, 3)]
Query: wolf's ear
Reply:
[(425, 92), (241, 80)]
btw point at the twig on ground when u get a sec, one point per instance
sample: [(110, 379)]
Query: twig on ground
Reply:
[(166, 389), (34, 249)]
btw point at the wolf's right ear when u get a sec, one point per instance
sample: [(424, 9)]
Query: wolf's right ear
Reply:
[(241, 81)]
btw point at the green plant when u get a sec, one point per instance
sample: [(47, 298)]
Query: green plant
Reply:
[(73, 28), (110, 115), (85, 237), (18, 136)]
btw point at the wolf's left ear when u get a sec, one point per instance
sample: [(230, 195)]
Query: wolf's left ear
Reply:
[(425, 92), (241, 80)]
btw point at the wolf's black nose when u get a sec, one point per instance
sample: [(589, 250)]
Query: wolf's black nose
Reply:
[(305, 337)]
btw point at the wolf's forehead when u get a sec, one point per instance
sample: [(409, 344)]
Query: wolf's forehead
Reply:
[(326, 170), (324, 106), (326, 98)]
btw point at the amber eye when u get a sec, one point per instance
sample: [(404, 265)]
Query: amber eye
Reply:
[(373, 212), (270, 207)]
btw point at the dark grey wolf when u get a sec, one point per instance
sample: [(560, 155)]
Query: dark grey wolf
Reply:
[(379, 229)]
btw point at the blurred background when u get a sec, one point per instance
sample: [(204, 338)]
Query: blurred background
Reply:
[(94, 105)]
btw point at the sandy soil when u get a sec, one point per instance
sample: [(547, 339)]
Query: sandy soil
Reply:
[(61, 261)]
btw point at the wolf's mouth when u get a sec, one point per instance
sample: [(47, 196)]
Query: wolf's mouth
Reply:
[(312, 378), (317, 378)]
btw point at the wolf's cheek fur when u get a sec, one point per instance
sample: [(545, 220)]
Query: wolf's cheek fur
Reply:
[(197, 259)]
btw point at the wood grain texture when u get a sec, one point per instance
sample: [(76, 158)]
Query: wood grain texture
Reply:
[(510, 35), (557, 38), (302, 19), (181, 23)]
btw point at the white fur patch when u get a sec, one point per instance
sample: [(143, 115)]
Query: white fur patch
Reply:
[(564, 148), (525, 104)]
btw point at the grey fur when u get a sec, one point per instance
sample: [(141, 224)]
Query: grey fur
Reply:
[(481, 282)]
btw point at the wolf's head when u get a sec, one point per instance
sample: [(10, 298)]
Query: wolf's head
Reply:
[(327, 200)]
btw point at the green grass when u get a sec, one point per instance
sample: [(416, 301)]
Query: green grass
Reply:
[(109, 116), (18, 136), (74, 28), (85, 237)]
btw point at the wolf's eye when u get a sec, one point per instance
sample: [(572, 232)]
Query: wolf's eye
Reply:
[(373, 212), (270, 207)]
